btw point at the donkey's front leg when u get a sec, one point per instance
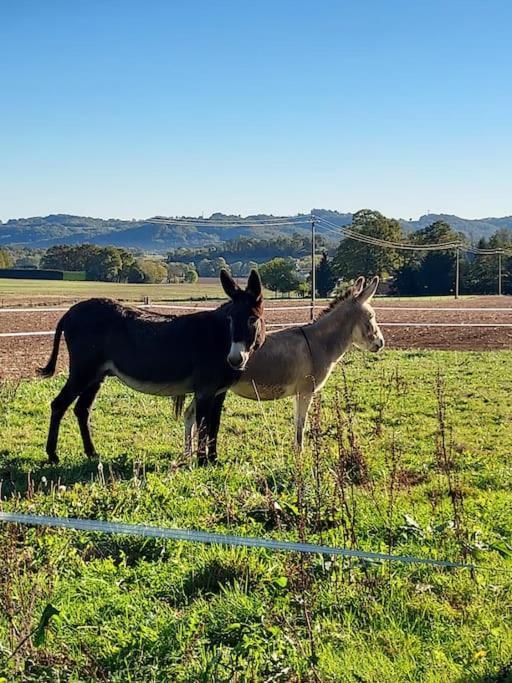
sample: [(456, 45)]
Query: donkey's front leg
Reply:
[(204, 405), (213, 431), (302, 403)]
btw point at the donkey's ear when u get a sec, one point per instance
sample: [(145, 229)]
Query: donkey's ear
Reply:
[(228, 284), (369, 291), (254, 286), (357, 287)]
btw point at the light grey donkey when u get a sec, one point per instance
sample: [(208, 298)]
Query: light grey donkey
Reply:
[(298, 361)]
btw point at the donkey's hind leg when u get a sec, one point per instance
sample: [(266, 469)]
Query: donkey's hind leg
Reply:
[(82, 411), (60, 404), (190, 424)]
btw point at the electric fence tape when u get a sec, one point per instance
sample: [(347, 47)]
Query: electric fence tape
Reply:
[(100, 526)]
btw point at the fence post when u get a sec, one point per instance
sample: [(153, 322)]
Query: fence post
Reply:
[(499, 273), (457, 272), (313, 269)]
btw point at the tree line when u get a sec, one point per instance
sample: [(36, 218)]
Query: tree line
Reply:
[(409, 272), (246, 249), (106, 264), (421, 272), (284, 263)]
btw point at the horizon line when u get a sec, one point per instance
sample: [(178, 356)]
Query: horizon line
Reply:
[(201, 217)]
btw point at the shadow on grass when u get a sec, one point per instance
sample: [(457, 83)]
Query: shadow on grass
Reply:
[(504, 675), (210, 579), (18, 480)]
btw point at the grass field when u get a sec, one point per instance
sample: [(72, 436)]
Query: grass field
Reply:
[(13, 292), (409, 452)]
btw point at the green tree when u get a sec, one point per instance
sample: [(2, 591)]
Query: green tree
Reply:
[(236, 268), (205, 268), (279, 275), (354, 258), (61, 257), (429, 272), (27, 262), (104, 265), (325, 279), (127, 261), (176, 271), (211, 267), (191, 276), (5, 259), (109, 264), (482, 273), (304, 289), (135, 275), (154, 271)]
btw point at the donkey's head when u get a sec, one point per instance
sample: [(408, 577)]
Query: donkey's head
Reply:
[(366, 333), (245, 315)]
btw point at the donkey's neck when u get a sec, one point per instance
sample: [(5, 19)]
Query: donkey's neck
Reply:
[(333, 330)]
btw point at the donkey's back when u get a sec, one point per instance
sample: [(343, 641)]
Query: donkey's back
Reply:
[(148, 351)]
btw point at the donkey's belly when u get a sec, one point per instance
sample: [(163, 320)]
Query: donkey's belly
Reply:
[(151, 387), (262, 392)]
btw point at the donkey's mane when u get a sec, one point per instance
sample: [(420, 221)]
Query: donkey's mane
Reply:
[(339, 299)]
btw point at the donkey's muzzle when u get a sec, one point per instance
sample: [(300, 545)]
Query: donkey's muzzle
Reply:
[(377, 345), (237, 366), (238, 356)]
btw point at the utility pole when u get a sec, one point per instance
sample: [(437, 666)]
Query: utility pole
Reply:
[(499, 273), (313, 269), (457, 272)]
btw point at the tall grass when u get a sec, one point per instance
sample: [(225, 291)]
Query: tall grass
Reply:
[(407, 453)]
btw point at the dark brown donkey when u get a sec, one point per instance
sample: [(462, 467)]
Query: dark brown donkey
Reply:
[(202, 353)]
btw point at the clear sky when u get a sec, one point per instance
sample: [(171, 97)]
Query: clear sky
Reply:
[(130, 109)]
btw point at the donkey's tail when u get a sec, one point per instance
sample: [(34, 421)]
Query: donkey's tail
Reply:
[(49, 368), (178, 403)]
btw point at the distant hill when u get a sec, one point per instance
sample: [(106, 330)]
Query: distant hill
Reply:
[(46, 231), (473, 228)]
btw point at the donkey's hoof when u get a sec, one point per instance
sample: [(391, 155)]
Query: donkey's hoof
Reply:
[(53, 459), (93, 455)]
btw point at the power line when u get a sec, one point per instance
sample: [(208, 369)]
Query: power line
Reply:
[(236, 219), (238, 223), (376, 241), (485, 252)]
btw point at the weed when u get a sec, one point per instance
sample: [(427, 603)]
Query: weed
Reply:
[(137, 610)]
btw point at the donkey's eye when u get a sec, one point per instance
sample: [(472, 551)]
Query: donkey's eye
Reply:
[(253, 320)]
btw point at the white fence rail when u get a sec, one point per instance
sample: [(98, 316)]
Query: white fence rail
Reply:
[(274, 326), (278, 326), (269, 308)]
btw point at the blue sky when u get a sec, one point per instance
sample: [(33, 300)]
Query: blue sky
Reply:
[(131, 109)]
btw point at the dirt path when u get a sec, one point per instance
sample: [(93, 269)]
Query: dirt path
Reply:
[(20, 356)]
